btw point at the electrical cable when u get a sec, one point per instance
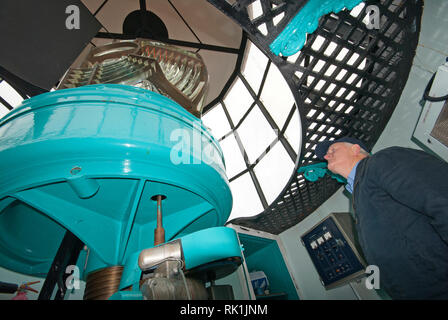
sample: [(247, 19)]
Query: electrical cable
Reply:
[(354, 291), (6, 287), (182, 275), (187, 290), (426, 95)]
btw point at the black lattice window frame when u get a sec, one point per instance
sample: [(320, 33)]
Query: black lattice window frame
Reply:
[(280, 138), (375, 101)]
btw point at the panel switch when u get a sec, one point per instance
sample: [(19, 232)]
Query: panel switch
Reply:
[(327, 236)]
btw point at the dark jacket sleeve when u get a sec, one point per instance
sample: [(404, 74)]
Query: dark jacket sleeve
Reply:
[(417, 180), (8, 287)]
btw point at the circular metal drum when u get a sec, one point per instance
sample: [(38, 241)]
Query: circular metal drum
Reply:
[(90, 160)]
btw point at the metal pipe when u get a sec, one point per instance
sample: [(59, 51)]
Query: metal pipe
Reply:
[(159, 232), (151, 257)]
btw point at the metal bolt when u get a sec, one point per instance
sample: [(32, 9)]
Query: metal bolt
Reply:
[(75, 170)]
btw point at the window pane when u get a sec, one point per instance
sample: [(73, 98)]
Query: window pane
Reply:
[(276, 96), (10, 94), (256, 134), (273, 171), (255, 66), (293, 132), (237, 101), (232, 156), (3, 110), (255, 10), (216, 121), (246, 202)]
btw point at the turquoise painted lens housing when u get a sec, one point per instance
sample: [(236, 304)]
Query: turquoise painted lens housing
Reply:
[(90, 160)]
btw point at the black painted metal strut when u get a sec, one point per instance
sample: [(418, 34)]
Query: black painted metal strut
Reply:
[(66, 255)]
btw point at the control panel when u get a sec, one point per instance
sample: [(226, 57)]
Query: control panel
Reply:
[(331, 246)]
